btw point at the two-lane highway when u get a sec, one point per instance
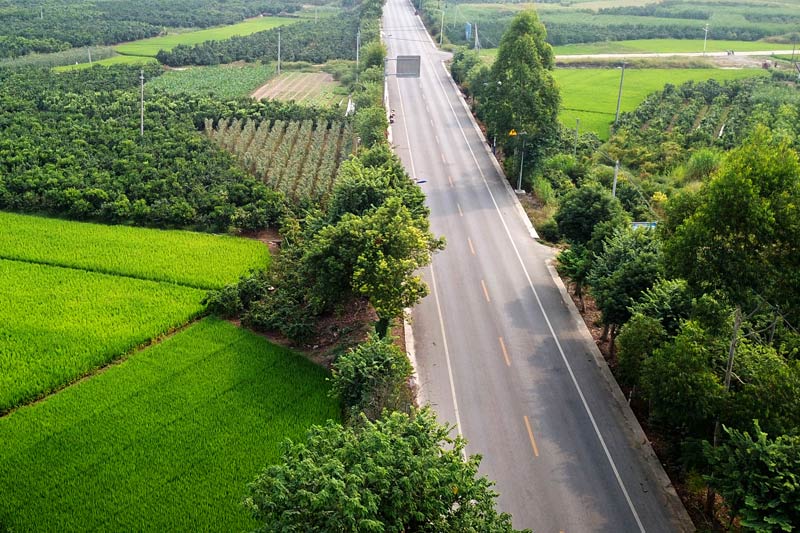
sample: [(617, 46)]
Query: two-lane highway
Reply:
[(499, 354)]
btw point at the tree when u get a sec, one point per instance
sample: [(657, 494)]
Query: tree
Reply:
[(584, 208), (523, 95), (668, 301), (759, 478), (395, 246), (372, 377), (629, 265), (638, 340), (575, 263), (370, 124), (400, 473)]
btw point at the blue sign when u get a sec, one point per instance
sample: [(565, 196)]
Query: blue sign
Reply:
[(468, 30)]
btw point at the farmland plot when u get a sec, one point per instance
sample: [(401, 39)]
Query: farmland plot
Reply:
[(303, 87), (187, 258), (224, 81), (57, 324), (298, 158), (166, 441)]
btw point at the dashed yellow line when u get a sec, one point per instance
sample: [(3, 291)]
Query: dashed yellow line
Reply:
[(460, 212), (505, 352), (471, 248), (486, 295), (443, 158), (450, 179), (533, 441)]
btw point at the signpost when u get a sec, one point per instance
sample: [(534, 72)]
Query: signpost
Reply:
[(408, 66)]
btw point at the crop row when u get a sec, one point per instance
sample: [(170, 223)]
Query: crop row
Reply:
[(225, 81), (187, 258), (145, 455), (57, 324), (299, 158)]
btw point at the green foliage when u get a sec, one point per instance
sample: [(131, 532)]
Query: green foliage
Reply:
[(71, 146), (582, 209), (667, 301), (638, 339), (749, 212), (400, 473), (521, 94), (759, 478), (358, 189), (192, 259), (371, 378), (372, 55), (575, 263), (60, 323), (192, 419), (370, 125), (702, 164), (46, 27), (548, 230), (629, 265), (685, 393)]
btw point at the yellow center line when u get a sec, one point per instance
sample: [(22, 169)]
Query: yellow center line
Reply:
[(443, 159), (450, 179), (460, 212), (505, 352), (471, 248), (486, 294), (533, 441)]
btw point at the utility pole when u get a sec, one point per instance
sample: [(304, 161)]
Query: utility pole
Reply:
[(705, 38), (619, 96), (521, 162), (575, 148), (441, 32), (89, 50), (279, 51), (41, 13), (358, 51), (477, 41), (141, 107), (616, 173)]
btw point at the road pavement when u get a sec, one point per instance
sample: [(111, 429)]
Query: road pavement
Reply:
[(500, 353)]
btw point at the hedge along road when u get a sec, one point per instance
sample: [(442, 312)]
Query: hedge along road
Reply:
[(500, 355)]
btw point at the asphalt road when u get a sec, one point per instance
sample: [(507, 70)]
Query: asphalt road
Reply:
[(499, 353)]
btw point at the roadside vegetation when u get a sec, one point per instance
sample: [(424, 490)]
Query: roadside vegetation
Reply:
[(226, 82), (699, 316)]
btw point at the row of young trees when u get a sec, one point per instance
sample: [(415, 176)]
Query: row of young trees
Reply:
[(703, 312), (42, 27)]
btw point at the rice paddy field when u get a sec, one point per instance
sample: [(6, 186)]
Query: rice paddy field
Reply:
[(116, 59), (151, 46), (194, 259), (165, 441), (224, 81), (57, 324), (661, 46), (591, 94)]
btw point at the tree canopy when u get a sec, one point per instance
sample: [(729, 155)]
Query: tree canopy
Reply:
[(400, 473)]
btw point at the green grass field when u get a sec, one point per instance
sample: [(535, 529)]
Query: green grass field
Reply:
[(166, 441), (57, 324), (114, 60), (187, 258), (591, 94), (224, 81), (151, 46), (645, 46)]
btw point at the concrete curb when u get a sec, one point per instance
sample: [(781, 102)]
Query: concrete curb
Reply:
[(509, 190), (682, 521), (414, 382)]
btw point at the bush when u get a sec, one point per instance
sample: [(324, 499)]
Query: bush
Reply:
[(371, 378), (548, 230)]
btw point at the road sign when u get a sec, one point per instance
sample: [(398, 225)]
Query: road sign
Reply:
[(512, 133), (408, 66)]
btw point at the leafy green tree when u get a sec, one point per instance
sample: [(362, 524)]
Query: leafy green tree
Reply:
[(638, 339), (744, 237), (668, 301), (371, 378), (370, 124), (522, 94), (395, 246), (582, 209), (629, 265), (575, 263), (357, 190), (759, 478), (684, 391), (400, 473)]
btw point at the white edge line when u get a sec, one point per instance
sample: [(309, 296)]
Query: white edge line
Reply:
[(546, 318)]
